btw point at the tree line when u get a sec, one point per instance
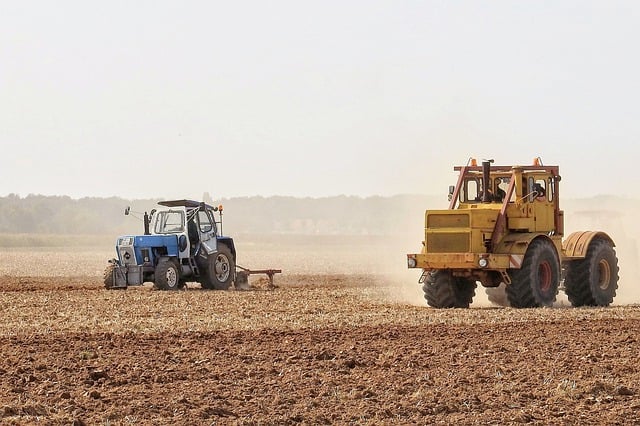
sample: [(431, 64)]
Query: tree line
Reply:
[(339, 215)]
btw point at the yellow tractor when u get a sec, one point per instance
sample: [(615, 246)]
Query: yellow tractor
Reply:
[(504, 228)]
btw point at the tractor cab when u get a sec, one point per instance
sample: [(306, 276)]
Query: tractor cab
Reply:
[(524, 198), (193, 222), (531, 183)]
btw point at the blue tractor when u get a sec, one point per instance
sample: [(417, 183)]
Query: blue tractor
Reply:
[(181, 243)]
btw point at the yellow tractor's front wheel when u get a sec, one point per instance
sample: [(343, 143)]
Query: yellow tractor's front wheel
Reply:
[(443, 290), (536, 282)]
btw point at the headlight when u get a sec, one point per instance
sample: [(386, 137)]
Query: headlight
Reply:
[(411, 262), (483, 263)]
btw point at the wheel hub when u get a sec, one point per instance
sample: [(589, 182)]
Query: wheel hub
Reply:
[(604, 274), (545, 276), (172, 277), (222, 268)]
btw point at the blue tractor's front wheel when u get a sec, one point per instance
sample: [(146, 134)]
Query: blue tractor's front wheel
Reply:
[(167, 276)]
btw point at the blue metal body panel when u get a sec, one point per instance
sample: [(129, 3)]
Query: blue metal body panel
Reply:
[(150, 242)]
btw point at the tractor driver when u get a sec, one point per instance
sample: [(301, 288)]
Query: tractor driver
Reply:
[(497, 196), (500, 194), (539, 192), (192, 228)]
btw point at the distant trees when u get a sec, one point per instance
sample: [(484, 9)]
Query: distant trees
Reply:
[(39, 214), (398, 216), (339, 215)]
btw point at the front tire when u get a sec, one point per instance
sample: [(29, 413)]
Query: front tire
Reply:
[(442, 290), (167, 276), (108, 277), (220, 270), (536, 283), (593, 281)]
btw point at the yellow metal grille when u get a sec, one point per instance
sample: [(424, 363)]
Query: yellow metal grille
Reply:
[(448, 242), (448, 221)]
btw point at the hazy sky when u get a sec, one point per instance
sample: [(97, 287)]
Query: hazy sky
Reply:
[(174, 98)]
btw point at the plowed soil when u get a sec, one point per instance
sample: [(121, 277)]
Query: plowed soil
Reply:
[(318, 349)]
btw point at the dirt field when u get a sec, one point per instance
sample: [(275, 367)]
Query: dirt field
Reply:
[(322, 348)]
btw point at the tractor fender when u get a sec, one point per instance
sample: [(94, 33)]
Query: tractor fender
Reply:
[(577, 244), (173, 259), (515, 245), (228, 241)]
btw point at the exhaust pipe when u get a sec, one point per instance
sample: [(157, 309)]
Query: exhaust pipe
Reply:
[(486, 184), (146, 224)]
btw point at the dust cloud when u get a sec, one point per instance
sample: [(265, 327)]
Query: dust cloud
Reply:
[(619, 220)]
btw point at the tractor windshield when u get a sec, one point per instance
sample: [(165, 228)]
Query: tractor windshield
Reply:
[(471, 190), (473, 187), (169, 222)]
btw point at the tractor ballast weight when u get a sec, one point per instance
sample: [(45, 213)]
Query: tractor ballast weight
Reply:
[(504, 227), (182, 242)]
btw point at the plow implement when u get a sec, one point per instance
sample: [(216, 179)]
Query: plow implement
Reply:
[(242, 276)]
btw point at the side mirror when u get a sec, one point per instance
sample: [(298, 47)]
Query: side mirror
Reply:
[(127, 210)]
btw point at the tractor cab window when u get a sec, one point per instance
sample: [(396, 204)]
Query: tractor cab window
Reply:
[(500, 188), (473, 188), (206, 224), (538, 189), (471, 191), (169, 222)]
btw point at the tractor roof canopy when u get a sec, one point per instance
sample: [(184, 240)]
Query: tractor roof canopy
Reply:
[(186, 203)]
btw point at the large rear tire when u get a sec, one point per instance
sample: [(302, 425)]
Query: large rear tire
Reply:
[(443, 290), (167, 276), (220, 270), (536, 283), (593, 281)]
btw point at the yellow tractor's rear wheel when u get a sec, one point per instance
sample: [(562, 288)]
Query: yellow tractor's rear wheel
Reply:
[(593, 281)]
